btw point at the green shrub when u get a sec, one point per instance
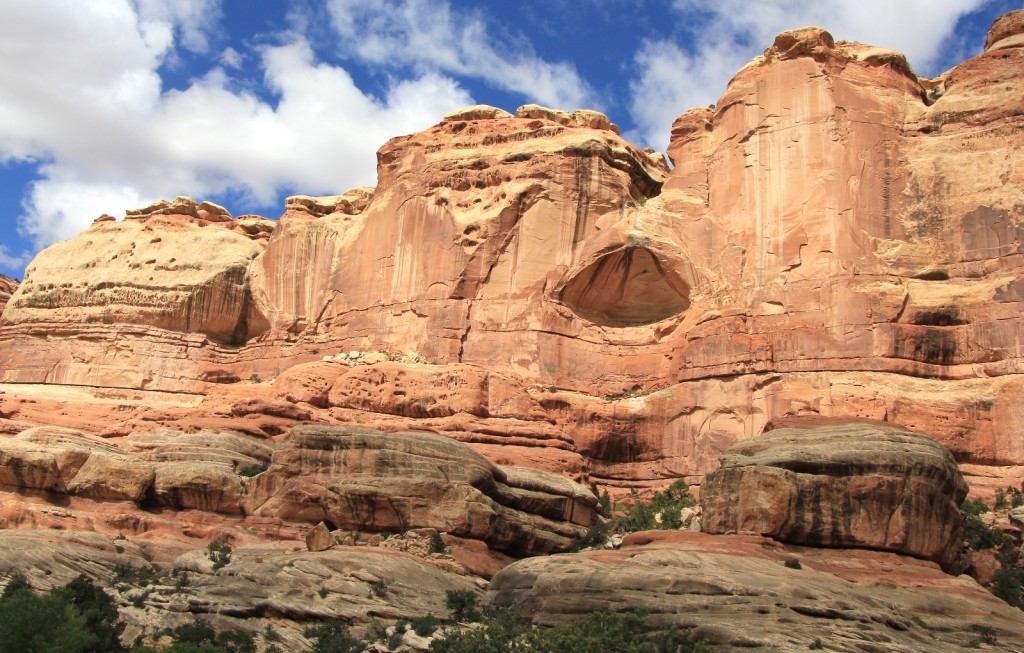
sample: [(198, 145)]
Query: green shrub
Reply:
[(30, 623), (978, 534), (333, 637), (1007, 584), (128, 575), (437, 544), (1016, 496), (1000, 501), (973, 507), (424, 626), (219, 552), (663, 511), (99, 611), (254, 470), (15, 583), (596, 535), (602, 631), (463, 605)]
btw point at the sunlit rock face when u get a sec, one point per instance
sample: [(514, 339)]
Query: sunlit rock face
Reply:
[(852, 485), (837, 237), (527, 310)]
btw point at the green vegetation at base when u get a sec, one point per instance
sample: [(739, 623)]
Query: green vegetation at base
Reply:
[(501, 630), (219, 553), (76, 618), (437, 544), (463, 605), (334, 637), (662, 512), (977, 533), (1008, 581)]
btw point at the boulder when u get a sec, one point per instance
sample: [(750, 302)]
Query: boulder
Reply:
[(848, 485), (360, 479), (319, 538), (113, 477), (70, 461)]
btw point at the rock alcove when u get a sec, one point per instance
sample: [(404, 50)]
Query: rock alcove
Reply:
[(626, 287)]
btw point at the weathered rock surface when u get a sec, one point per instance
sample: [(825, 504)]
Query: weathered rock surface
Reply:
[(838, 239), (8, 287), (356, 478), (276, 586), (850, 485), (737, 593), (836, 236)]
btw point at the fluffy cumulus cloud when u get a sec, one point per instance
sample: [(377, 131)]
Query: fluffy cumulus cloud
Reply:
[(722, 36), (431, 35), (84, 100)]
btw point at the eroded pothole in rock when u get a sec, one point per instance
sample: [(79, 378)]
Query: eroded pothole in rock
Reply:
[(626, 287)]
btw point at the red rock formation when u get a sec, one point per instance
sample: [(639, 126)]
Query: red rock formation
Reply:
[(7, 288), (854, 485), (836, 237), (838, 240)]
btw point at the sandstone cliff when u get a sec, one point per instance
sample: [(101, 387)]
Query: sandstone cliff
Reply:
[(837, 241), (837, 237)]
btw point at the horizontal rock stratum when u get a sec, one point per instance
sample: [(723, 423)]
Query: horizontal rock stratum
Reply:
[(851, 485)]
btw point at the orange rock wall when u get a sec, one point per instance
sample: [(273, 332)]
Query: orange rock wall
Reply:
[(837, 237)]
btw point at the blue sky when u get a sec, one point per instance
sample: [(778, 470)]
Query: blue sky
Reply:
[(108, 105)]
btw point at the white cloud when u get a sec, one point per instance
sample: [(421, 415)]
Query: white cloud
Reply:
[(672, 81), (428, 35), (59, 206), (231, 58), (13, 261), (195, 20), (83, 95), (727, 33)]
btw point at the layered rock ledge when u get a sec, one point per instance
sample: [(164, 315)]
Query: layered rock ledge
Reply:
[(749, 592), (849, 485), (358, 478)]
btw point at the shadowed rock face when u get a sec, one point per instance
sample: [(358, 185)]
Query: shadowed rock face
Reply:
[(626, 288), (7, 288), (853, 485)]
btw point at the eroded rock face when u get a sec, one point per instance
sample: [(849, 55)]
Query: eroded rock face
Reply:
[(836, 235), (837, 238), (167, 271), (738, 593), (267, 586), (8, 286), (356, 478), (852, 485)]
